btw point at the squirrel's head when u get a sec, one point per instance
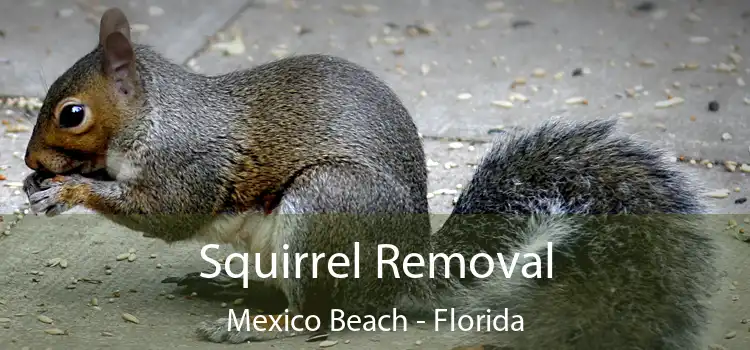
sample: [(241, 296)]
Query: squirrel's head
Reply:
[(87, 104)]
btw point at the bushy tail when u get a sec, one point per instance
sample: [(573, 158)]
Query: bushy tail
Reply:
[(631, 258)]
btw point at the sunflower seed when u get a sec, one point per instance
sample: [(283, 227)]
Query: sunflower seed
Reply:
[(55, 331), (720, 193), (155, 11), (576, 100), (503, 104), (130, 318), (669, 103), (328, 343), (495, 6), (699, 40)]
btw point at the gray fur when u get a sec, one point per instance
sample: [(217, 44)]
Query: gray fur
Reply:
[(346, 154)]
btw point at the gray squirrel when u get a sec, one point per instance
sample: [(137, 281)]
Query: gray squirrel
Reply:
[(314, 153)]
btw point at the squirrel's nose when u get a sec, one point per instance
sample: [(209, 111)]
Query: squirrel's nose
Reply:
[(31, 160)]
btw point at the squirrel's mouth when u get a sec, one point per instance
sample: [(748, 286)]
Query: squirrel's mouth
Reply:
[(100, 174)]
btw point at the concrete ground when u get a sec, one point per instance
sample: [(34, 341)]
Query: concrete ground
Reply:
[(451, 61)]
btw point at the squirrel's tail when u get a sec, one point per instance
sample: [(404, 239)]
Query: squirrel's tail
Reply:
[(631, 260)]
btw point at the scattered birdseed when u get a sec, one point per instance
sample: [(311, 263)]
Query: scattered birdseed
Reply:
[(699, 40), (463, 96), (725, 67), (53, 262), (731, 166), (223, 305), (455, 145), (425, 68), (131, 257), (726, 136), (576, 100), (328, 343), (130, 318), (483, 23), (730, 335), (495, 6), (745, 168), (65, 13), (155, 11), (503, 104), (94, 302), (170, 296), (153, 256), (63, 263), (686, 66), (139, 27), (122, 256), (692, 17), (735, 57), (519, 81), (626, 115), (107, 334), (238, 301), (158, 266), (55, 331), (518, 97), (538, 73), (450, 165), (669, 103), (647, 62), (44, 319), (720, 193)]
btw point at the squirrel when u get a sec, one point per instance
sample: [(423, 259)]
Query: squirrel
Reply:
[(312, 153)]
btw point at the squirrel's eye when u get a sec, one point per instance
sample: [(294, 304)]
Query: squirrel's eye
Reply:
[(72, 115)]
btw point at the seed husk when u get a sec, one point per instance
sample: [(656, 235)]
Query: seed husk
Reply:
[(130, 318), (503, 104), (55, 331), (720, 193), (44, 319), (669, 103), (576, 100)]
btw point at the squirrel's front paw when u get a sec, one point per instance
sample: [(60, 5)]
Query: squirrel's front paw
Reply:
[(221, 331), (46, 196)]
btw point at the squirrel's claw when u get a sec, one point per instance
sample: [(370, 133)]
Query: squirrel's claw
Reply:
[(46, 201), (218, 332), (194, 279)]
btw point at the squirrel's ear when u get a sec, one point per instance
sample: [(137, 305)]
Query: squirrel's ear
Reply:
[(118, 59)]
